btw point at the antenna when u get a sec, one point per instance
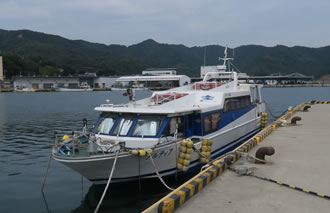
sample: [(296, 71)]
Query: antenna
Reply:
[(225, 52), (225, 58)]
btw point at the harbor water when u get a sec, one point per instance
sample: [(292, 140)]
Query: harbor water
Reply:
[(27, 124)]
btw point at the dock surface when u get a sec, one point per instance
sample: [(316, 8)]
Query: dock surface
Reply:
[(294, 179), (301, 159)]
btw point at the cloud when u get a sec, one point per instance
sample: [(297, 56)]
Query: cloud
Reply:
[(12, 10), (190, 22), (121, 7)]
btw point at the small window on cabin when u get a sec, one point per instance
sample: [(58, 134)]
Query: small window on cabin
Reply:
[(148, 125), (236, 103), (211, 122), (124, 124), (106, 122), (231, 104), (180, 125), (174, 124), (255, 94), (247, 101)]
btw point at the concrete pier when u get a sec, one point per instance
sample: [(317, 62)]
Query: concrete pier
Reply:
[(301, 159)]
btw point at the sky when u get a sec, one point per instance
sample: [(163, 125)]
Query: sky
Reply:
[(188, 22)]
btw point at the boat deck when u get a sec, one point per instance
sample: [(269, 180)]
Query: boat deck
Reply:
[(301, 160)]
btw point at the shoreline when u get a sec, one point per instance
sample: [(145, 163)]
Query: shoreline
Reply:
[(109, 89), (47, 90), (296, 85)]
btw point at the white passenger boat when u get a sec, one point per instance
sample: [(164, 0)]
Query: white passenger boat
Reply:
[(169, 132)]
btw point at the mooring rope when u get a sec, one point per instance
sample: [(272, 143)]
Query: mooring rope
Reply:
[(250, 157), (249, 172), (209, 158), (270, 112), (109, 180), (43, 184), (292, 187), (156, 170)]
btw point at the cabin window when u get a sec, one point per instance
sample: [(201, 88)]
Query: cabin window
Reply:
[(124, 124), (148, 125), (171, 128), (106, 122), (176, 125), (236, 103), (255, 94), (211, 122)]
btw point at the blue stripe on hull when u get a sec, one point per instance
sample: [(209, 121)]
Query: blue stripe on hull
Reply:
[(216, 153)]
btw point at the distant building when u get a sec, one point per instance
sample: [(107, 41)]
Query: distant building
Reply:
[(153, 78), (89, 71), (104, 82), (159, 71), (45, 82), (219, 69), (21, 82)]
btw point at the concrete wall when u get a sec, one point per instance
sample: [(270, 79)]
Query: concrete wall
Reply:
[(104, 82), (69, 82), (44, 83)]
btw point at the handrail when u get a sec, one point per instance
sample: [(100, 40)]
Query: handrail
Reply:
[(73, 142)]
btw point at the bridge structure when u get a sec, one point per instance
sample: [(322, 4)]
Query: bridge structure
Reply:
[(278, 78)]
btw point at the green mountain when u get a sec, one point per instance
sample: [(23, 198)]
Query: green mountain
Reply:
[(33, 53)]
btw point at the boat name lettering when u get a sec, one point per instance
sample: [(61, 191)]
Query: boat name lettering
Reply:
[(161, 153)]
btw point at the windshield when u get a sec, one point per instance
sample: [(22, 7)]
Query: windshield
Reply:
[(106, 122), (148, 125), (124, 124)]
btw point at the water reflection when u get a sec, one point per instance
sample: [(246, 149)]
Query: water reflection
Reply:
[(3, 113), (126, 197)]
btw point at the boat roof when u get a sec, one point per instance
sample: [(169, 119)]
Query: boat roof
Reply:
[(182, 100)]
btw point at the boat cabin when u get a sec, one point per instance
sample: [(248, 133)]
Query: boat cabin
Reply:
[(155, 122)]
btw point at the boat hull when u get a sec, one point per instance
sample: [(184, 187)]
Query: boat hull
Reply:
[(132, 167)]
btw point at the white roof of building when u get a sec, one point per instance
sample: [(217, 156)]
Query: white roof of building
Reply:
[(151, 78)]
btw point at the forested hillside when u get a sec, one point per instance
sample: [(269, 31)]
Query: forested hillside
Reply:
[(32, 53)]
